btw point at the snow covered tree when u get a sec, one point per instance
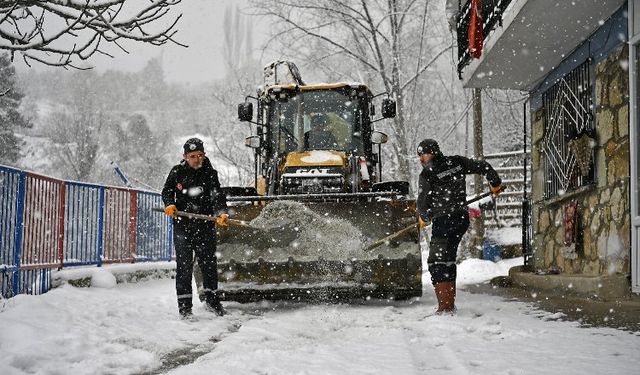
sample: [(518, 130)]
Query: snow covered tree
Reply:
[(75, 128), (243, 74), (139, 152), (10, 116), (61, 33)]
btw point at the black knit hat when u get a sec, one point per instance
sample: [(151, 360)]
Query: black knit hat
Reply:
[(429, 146), (193, 144)]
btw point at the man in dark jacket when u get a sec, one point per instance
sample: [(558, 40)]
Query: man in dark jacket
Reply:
[(442, 200), (193, 186)]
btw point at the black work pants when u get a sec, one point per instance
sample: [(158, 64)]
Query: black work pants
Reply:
[(446, 234), (200, 239)]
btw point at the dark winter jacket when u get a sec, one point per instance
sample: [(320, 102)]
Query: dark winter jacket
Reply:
[(194, 190), (442, 185)]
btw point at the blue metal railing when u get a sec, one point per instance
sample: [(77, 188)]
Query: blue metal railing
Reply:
[(83, 224), (11, 206), (47, 223), (153, 231)]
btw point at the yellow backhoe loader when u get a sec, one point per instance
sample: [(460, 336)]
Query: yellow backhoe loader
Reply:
[(318, 200)]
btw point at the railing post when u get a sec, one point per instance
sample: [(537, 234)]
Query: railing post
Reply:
[(61, 222), (100, 225), (133, 223), (17, 254)]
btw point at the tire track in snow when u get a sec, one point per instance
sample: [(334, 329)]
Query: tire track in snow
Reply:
[(188, 354), (454, 364), (412, 339)]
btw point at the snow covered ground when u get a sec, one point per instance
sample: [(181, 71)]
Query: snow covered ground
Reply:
[(134, 328)]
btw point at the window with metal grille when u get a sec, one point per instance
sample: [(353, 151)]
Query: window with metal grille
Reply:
[(569, 133)]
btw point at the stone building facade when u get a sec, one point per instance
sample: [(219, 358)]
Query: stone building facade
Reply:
[(603, 244)]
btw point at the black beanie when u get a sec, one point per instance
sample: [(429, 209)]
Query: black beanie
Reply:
[(428, 146), (193, 144)]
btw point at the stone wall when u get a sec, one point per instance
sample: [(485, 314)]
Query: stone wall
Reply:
[(604, 235)]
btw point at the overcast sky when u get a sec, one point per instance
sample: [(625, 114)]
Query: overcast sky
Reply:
[(201, 28)]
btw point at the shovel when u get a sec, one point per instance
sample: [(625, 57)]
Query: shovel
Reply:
[(391, 237), (233, 222), (409, 228)]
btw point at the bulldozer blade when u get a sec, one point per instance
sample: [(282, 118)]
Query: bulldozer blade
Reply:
[(317, 251)]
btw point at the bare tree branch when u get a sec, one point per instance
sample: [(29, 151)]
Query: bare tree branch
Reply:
[(426, 66), (310, 32), (62, 32), (376, 45)]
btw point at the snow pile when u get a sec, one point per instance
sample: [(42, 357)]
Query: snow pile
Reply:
[(290, 229), (103, 279), (317, 235), (287, 229)]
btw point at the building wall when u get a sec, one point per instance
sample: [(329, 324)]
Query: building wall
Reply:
[(603, 245)]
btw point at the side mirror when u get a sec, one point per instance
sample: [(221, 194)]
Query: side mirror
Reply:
[(378, 138), (245, 111), (372, 110), (253, 141), (388, 108)]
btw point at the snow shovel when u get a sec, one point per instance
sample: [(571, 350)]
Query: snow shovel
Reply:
[(391, 237), (409, 228), (234, 222)]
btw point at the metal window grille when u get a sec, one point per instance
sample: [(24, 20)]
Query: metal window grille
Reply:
[(567, 111)]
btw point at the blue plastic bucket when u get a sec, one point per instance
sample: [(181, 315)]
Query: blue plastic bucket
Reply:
[(491, 251)]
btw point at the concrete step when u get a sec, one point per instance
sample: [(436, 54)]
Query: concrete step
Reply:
[(605, 288)]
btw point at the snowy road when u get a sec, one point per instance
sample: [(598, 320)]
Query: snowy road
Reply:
[(134, 329)]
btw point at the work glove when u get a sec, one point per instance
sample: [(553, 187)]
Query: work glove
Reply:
[(496, 190), (222, 220), (422, 223), (171, 210)]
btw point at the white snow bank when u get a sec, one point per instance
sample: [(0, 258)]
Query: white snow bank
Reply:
[(475, 271), (109, 275), (505, 236), (75, 273)]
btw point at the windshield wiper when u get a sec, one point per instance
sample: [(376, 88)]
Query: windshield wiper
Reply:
[(289, 134)]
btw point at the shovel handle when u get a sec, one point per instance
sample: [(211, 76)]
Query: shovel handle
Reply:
[(390, 237), (234, 222), (407, 229)]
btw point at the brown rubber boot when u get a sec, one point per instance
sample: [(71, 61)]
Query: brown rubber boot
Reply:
[(446, 294)]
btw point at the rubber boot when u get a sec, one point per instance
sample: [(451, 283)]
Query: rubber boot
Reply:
[(213, 303), (446, 294), (184, 308)]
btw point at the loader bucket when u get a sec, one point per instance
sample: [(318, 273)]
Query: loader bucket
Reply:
[(317, 251)]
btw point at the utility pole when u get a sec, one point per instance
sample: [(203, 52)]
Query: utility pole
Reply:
[(478, 153)]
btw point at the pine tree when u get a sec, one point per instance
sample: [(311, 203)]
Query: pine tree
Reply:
[(10, 116)]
